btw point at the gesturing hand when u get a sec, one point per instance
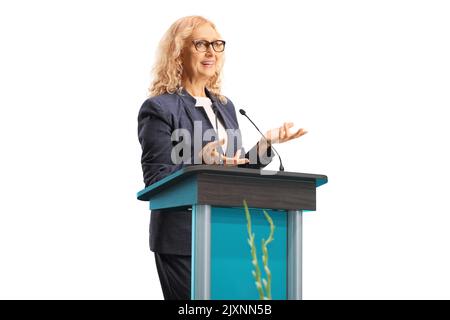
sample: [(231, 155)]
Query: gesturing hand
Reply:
[(210, 155), (283, 134), (234, 161)]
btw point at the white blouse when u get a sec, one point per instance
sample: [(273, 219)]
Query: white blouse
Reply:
[(206, 103)]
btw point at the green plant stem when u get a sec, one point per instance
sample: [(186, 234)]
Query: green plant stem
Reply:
[(266, 255), (251, 242)]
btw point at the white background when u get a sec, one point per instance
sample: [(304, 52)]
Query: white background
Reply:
[(369, 80)]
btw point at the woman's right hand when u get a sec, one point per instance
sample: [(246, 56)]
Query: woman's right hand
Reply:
[(210, 155)]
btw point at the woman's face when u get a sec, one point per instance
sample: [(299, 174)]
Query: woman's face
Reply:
[(201, 65)]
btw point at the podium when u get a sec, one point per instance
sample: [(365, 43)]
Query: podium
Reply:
[(222, 259)]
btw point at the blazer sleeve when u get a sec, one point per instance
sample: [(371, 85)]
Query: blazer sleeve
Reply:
[(154, 133)]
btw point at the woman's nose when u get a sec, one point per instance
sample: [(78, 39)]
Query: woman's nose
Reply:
[(210, 51)]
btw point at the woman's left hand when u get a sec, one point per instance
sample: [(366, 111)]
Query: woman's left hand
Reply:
[(236, 160), (283, 134)]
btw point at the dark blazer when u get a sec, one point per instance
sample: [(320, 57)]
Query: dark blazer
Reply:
[(159, 116)]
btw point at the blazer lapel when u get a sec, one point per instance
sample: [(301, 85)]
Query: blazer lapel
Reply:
[(219, 106), (189, 104), (228, 124)]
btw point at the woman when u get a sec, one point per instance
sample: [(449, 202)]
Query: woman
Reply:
[(185, 97)]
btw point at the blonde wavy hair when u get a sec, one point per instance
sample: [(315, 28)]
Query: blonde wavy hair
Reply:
[(168, 68)]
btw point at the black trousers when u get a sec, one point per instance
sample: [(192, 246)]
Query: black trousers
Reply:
[(174, 273)]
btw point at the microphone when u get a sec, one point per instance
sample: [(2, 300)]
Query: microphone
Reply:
[(242, 111)]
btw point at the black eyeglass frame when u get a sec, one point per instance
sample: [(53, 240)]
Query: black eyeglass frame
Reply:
[(210, 43)]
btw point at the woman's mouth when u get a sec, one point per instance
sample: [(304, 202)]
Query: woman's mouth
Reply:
[(207, 64)]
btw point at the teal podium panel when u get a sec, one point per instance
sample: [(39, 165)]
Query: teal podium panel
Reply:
[(231, 259)]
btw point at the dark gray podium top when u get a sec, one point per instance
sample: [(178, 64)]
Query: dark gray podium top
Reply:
[(228, 186)]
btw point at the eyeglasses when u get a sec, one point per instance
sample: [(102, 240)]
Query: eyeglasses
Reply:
[(203, 45)]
